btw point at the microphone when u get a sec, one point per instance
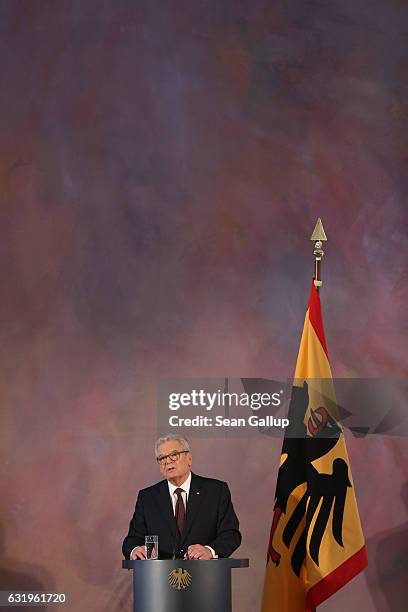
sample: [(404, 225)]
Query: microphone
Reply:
[(176, 542)]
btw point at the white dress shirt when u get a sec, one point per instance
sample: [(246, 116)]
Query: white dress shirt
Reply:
[(186, 490)]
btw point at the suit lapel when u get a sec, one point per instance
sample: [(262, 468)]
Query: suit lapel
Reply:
[(165, 506), (193, 504)]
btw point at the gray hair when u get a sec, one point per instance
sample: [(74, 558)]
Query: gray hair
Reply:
[(185, 444)]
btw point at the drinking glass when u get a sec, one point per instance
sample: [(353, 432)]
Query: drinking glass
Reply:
[(152, 547)]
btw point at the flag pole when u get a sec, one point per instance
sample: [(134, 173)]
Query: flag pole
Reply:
[(318, 237)]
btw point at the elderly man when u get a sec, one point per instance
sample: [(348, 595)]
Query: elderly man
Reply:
[(193, 516)]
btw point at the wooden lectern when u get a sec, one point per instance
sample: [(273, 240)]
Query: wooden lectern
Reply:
[(181, 585)]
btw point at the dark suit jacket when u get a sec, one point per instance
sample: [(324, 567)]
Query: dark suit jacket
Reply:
[(210, 519)]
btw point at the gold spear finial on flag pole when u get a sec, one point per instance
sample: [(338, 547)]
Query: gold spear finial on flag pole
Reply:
[(318, 237)]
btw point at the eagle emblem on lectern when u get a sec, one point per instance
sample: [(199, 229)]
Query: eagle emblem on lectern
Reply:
[(179, 578)]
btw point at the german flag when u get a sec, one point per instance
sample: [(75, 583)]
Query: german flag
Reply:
[(316, 543)]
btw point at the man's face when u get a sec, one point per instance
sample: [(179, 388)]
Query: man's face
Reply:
[(176, 471)]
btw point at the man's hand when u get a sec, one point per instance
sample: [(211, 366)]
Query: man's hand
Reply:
[(196, 551), (138, 553)]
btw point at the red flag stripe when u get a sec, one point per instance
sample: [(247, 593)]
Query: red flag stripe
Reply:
[(337, 579), (315, 316)]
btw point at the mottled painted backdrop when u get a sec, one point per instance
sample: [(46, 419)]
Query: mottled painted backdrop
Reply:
[(162, 165)]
